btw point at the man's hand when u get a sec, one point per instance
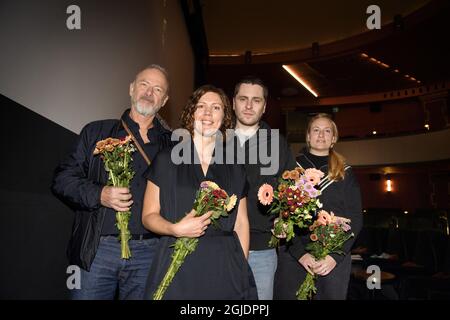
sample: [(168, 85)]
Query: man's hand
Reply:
[(116, 198)]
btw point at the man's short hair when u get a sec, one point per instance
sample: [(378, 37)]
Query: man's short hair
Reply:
[(161, 69), (254, 81)]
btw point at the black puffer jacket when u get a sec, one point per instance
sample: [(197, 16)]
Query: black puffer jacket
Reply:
[(78, 182)]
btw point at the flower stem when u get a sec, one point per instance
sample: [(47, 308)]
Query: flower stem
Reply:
[(122, 224), (177, 260), (307, 288)]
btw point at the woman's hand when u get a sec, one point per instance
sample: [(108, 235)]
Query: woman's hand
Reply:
[(324, 266), (308, 262), (191, 226)]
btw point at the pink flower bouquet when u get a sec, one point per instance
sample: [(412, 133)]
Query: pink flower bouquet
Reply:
[(294, 201), (328, 235)]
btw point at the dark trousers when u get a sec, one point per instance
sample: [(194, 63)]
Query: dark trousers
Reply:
[(290, 275)]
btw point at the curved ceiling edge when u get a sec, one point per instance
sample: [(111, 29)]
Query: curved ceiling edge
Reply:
[(333, 48)]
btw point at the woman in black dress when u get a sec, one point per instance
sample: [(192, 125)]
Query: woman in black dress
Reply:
[(342, 196), (218, 268)]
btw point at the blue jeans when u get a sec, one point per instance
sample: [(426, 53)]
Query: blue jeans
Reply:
[(110, 273), (264, 265)]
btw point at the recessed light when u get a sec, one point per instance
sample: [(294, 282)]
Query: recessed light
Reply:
[(297, 77)]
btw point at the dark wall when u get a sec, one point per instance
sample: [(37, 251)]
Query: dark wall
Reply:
[(424, 185), (34, 225)]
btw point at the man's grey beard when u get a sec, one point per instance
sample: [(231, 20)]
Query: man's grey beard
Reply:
[(150, 111)]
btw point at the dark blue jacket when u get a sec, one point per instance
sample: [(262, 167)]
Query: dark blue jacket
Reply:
[(78, 182)]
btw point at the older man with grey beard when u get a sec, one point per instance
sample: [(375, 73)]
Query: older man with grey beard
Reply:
[(81, 182)]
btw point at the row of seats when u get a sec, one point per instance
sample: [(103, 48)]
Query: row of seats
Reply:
[(415, 251)]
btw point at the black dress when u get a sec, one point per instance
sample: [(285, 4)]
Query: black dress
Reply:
[(217, 269)]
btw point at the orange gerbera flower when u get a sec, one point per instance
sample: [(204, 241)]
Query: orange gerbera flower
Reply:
[(313, 175), (324, 218), (265, 194), (294, 175)]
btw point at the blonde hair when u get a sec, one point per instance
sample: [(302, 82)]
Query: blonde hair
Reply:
[(336, 161)]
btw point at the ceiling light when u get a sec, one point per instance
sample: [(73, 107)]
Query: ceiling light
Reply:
[(396, 71), (406, 75), (297, 77), (374, 132), (385, 65), (364, 55)]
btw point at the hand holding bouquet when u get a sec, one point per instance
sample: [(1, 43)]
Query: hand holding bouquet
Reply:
[(294, 201), (328, 235), (209, 198), (116, 154)]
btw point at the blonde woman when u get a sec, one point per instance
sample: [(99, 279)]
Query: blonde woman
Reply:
[(340, 195)]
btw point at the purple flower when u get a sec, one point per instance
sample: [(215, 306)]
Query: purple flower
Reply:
[(299, 184), (342, 222), (312, 193), (308, 187), (204, 185)]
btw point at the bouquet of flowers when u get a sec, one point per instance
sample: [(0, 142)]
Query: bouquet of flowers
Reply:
[(208, 198), (294, 201), (328, 235), (116, 154)]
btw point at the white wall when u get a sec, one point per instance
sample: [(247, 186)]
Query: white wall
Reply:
[(73, 77)]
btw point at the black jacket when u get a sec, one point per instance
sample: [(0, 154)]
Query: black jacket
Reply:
[(78, 182), (261, 222), (343, 198)]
